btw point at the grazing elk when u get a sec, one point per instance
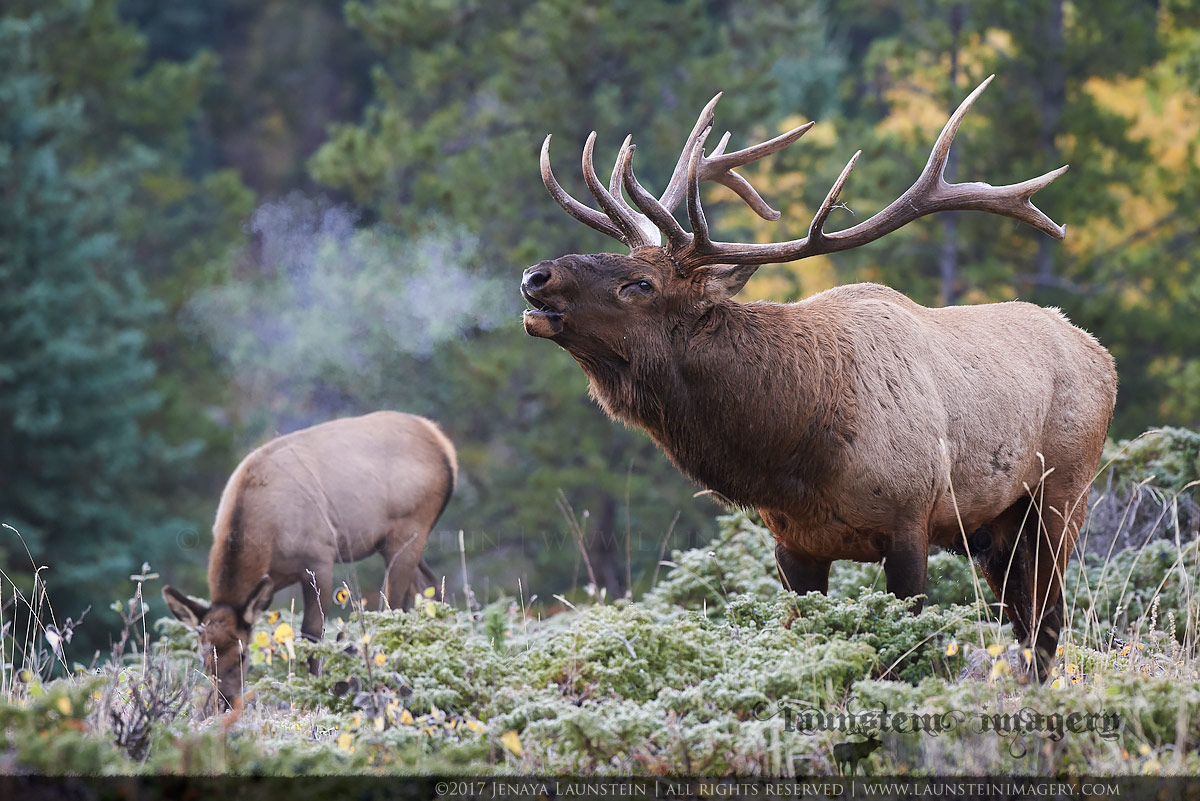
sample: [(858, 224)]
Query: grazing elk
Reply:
[(860, 424), (336, 492)]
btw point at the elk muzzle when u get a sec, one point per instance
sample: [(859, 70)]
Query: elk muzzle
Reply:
[(542, 320)]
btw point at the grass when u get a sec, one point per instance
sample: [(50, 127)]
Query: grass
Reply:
[(711, 672)]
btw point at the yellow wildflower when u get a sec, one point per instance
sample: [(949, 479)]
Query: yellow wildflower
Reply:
[(283, 633), (346, 742), (512, 741), (64, 705), (380, 659), (995, 649)]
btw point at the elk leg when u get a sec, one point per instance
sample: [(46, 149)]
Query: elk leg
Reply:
[(316, 602), (1062, 516), (1002, 557), (905, 565), (401, 555), (802, 574)]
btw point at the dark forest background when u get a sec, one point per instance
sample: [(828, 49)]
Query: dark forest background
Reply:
[(227, 220)]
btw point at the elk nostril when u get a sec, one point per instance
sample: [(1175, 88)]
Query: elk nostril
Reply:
[(536, 279)]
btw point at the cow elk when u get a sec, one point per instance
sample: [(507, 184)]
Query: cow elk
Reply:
[(860, 424), (336, 492)]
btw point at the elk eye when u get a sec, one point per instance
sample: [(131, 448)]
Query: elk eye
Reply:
[(642, 287)]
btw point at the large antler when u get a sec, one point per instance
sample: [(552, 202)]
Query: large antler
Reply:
[(929, 193), (635, 229)]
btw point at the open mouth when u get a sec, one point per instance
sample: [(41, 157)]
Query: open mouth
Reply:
[(542, 320)]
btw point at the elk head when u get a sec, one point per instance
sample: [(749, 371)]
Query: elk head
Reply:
[(596, 306), (224, 631)]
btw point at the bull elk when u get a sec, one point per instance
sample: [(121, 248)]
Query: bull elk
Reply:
[(860, 424), (336, 492)]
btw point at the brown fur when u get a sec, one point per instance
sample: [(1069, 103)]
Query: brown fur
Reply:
[(828, 416), (336, 492)]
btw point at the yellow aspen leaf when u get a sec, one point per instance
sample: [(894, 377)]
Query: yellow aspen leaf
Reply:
[(995, 649), (345, 741), (475, 726), (952, 649), (380, 659), (272, 618), (261, 640), (64, 705), (430, 592), (406, 718), (283, 633)]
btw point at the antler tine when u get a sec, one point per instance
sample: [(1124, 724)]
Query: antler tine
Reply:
[(676, 237), (700, 240), (631, 234), (929, 193), (649, 230), (936, 166), (586, 215), (720, 148), (677, 186), (717, 163), (614, 180), (815, 232), (719, 168)]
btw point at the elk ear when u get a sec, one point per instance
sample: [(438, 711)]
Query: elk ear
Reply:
[(258, 600), (184, 608), (722, 281)]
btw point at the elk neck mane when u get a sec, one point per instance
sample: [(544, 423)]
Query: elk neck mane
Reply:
[(231, 574), (702, 389)]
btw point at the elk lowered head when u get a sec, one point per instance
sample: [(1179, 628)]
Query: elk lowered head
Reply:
[(224, 631), (596, 305)]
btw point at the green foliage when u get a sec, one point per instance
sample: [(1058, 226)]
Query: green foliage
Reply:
[(49, 730), (652, 687), (740, 561), (1169, 457)]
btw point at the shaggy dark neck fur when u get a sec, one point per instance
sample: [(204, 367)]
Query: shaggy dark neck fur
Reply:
[(728, 400)]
